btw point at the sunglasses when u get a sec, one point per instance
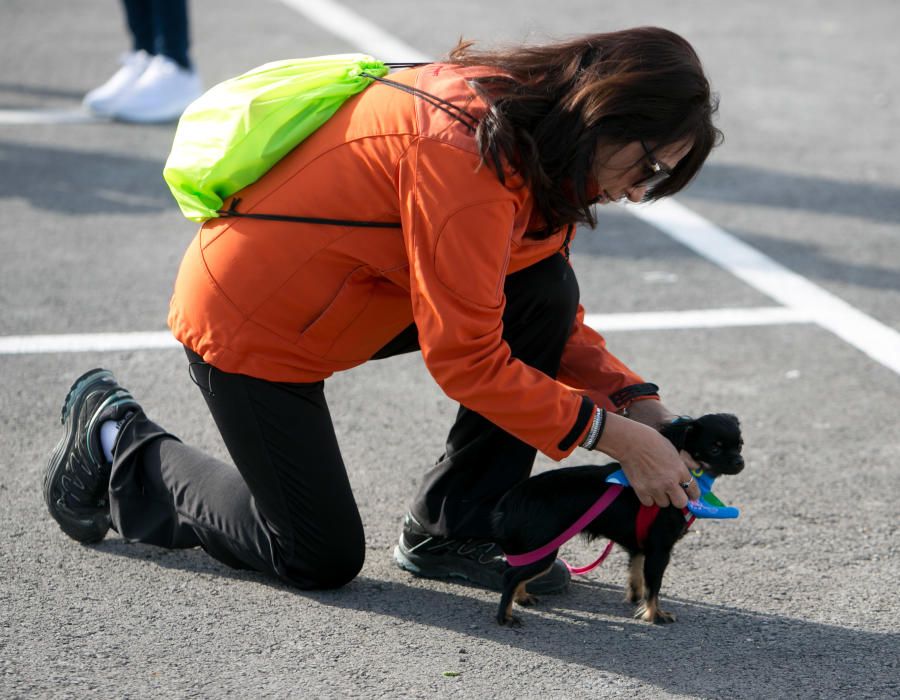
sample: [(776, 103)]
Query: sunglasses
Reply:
[(657, 171)]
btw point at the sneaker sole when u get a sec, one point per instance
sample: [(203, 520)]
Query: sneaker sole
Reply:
[(89, 529), (437, 571)]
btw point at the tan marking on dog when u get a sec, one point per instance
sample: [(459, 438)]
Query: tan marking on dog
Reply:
[(522, 597), (635, 591)]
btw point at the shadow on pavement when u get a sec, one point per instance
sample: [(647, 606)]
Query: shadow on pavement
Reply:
[(40, 91), (83, 182), (724, 182), (712, 652), (619, 235)]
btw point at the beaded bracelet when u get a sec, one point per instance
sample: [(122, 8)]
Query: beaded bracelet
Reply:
[(593, 436)]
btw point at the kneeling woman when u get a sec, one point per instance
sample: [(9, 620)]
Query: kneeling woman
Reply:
[(477, 171)]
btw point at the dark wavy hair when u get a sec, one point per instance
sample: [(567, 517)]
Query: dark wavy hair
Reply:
[(551, 106)]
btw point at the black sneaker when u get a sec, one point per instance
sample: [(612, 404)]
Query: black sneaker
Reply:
[(478, 561), (77, 478)]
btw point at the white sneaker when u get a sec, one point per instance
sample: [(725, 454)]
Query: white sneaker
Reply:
[(101, 100), (161, 94)]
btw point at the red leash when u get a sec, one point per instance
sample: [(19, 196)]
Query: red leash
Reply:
[(579, 570)]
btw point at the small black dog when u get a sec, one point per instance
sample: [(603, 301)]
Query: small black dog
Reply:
[(542, 507)]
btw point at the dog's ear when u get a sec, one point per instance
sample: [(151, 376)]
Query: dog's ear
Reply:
[(731, 418)]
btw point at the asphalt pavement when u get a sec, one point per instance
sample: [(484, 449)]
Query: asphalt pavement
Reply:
[(795, 599)]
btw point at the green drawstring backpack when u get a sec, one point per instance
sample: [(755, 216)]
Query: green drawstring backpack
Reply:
[(235, 132)]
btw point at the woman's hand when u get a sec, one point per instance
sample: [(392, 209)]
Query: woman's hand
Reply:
[(653, 466)]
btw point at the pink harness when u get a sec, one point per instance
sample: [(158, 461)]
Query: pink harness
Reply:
[(645, 518)]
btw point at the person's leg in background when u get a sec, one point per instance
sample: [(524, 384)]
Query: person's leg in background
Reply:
[(447, 531), (286, 509), (139, 16), (171, 33)]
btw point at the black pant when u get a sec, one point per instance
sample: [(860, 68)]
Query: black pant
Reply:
[(159, 27), (286, 507)]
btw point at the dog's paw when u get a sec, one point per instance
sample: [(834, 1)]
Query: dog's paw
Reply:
[(664, 618), (509, 621), (527, 600), (652, 614)]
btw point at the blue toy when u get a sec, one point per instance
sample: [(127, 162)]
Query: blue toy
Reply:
[(709, 506)]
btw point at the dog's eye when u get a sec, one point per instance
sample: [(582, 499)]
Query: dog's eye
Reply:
[(715, 449)]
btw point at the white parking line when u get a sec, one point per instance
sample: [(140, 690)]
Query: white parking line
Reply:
[(12, 117), (646, 321), (704, 318), (86, 342)]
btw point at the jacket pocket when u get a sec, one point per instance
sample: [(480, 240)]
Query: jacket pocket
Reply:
[(324, 333)]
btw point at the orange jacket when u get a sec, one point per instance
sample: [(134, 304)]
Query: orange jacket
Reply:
[(293, 302)]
